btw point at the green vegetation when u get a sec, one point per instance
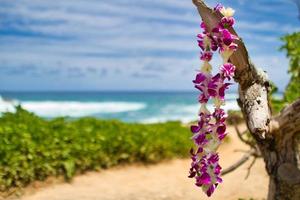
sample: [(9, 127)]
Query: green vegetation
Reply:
[(292, 91), (292, 48), (32, 148)]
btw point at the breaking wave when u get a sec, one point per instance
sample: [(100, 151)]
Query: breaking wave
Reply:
[(71, 108), (183, 113)]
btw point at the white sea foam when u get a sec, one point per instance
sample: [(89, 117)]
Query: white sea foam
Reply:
[(73, 108), (7, 106), (183, 119), (183, 113), (135, 111)]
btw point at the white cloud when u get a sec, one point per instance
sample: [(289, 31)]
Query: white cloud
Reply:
[(80, 34)]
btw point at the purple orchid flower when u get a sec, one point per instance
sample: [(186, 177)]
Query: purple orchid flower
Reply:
[(227, 22), (206, 56), (226, 37), (227, 70), (218, 7), (211, 128)]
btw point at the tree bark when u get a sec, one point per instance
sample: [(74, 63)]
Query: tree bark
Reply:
[(281, 154), (277, 137)]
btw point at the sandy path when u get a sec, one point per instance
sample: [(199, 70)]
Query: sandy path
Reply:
[(165, 181)]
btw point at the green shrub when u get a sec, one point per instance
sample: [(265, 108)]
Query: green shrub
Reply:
[(292, 49), (292, 91), (32, 148)]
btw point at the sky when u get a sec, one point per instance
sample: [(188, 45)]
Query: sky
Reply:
[(127, 44)]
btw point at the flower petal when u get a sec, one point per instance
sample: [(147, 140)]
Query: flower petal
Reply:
[(195, 129)]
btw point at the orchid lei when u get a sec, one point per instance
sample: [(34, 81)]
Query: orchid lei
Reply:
[(211, 128)]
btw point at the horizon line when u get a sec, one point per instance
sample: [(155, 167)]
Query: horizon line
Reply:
[(108, 91)]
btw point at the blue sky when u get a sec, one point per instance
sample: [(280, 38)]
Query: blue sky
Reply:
[(127, 44)]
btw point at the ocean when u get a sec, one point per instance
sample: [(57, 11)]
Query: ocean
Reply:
[(142, 107)]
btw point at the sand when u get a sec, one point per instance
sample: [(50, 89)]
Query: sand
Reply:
[(164, 181)]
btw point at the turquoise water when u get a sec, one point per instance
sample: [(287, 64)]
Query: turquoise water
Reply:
[(146, 107)]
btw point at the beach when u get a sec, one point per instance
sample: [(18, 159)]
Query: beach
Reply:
[(164, 181)]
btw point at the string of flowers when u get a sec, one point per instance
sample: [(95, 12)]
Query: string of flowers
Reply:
[(211, 129)]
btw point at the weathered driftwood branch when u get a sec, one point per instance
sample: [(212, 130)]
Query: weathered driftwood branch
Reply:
[(282, 154), (277, 138), (253, 152), (240, 135), (253, 84), (250, 167), (288, 119), (238, 163)]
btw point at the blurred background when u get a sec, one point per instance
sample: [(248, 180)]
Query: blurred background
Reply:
[(87, 85), (131, 60)]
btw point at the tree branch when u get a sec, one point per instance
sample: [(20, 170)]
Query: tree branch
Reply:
[(287, 119), (211, 19), (276, 138), (253, 83), (239, 163), (250, 166), (239, 134)]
